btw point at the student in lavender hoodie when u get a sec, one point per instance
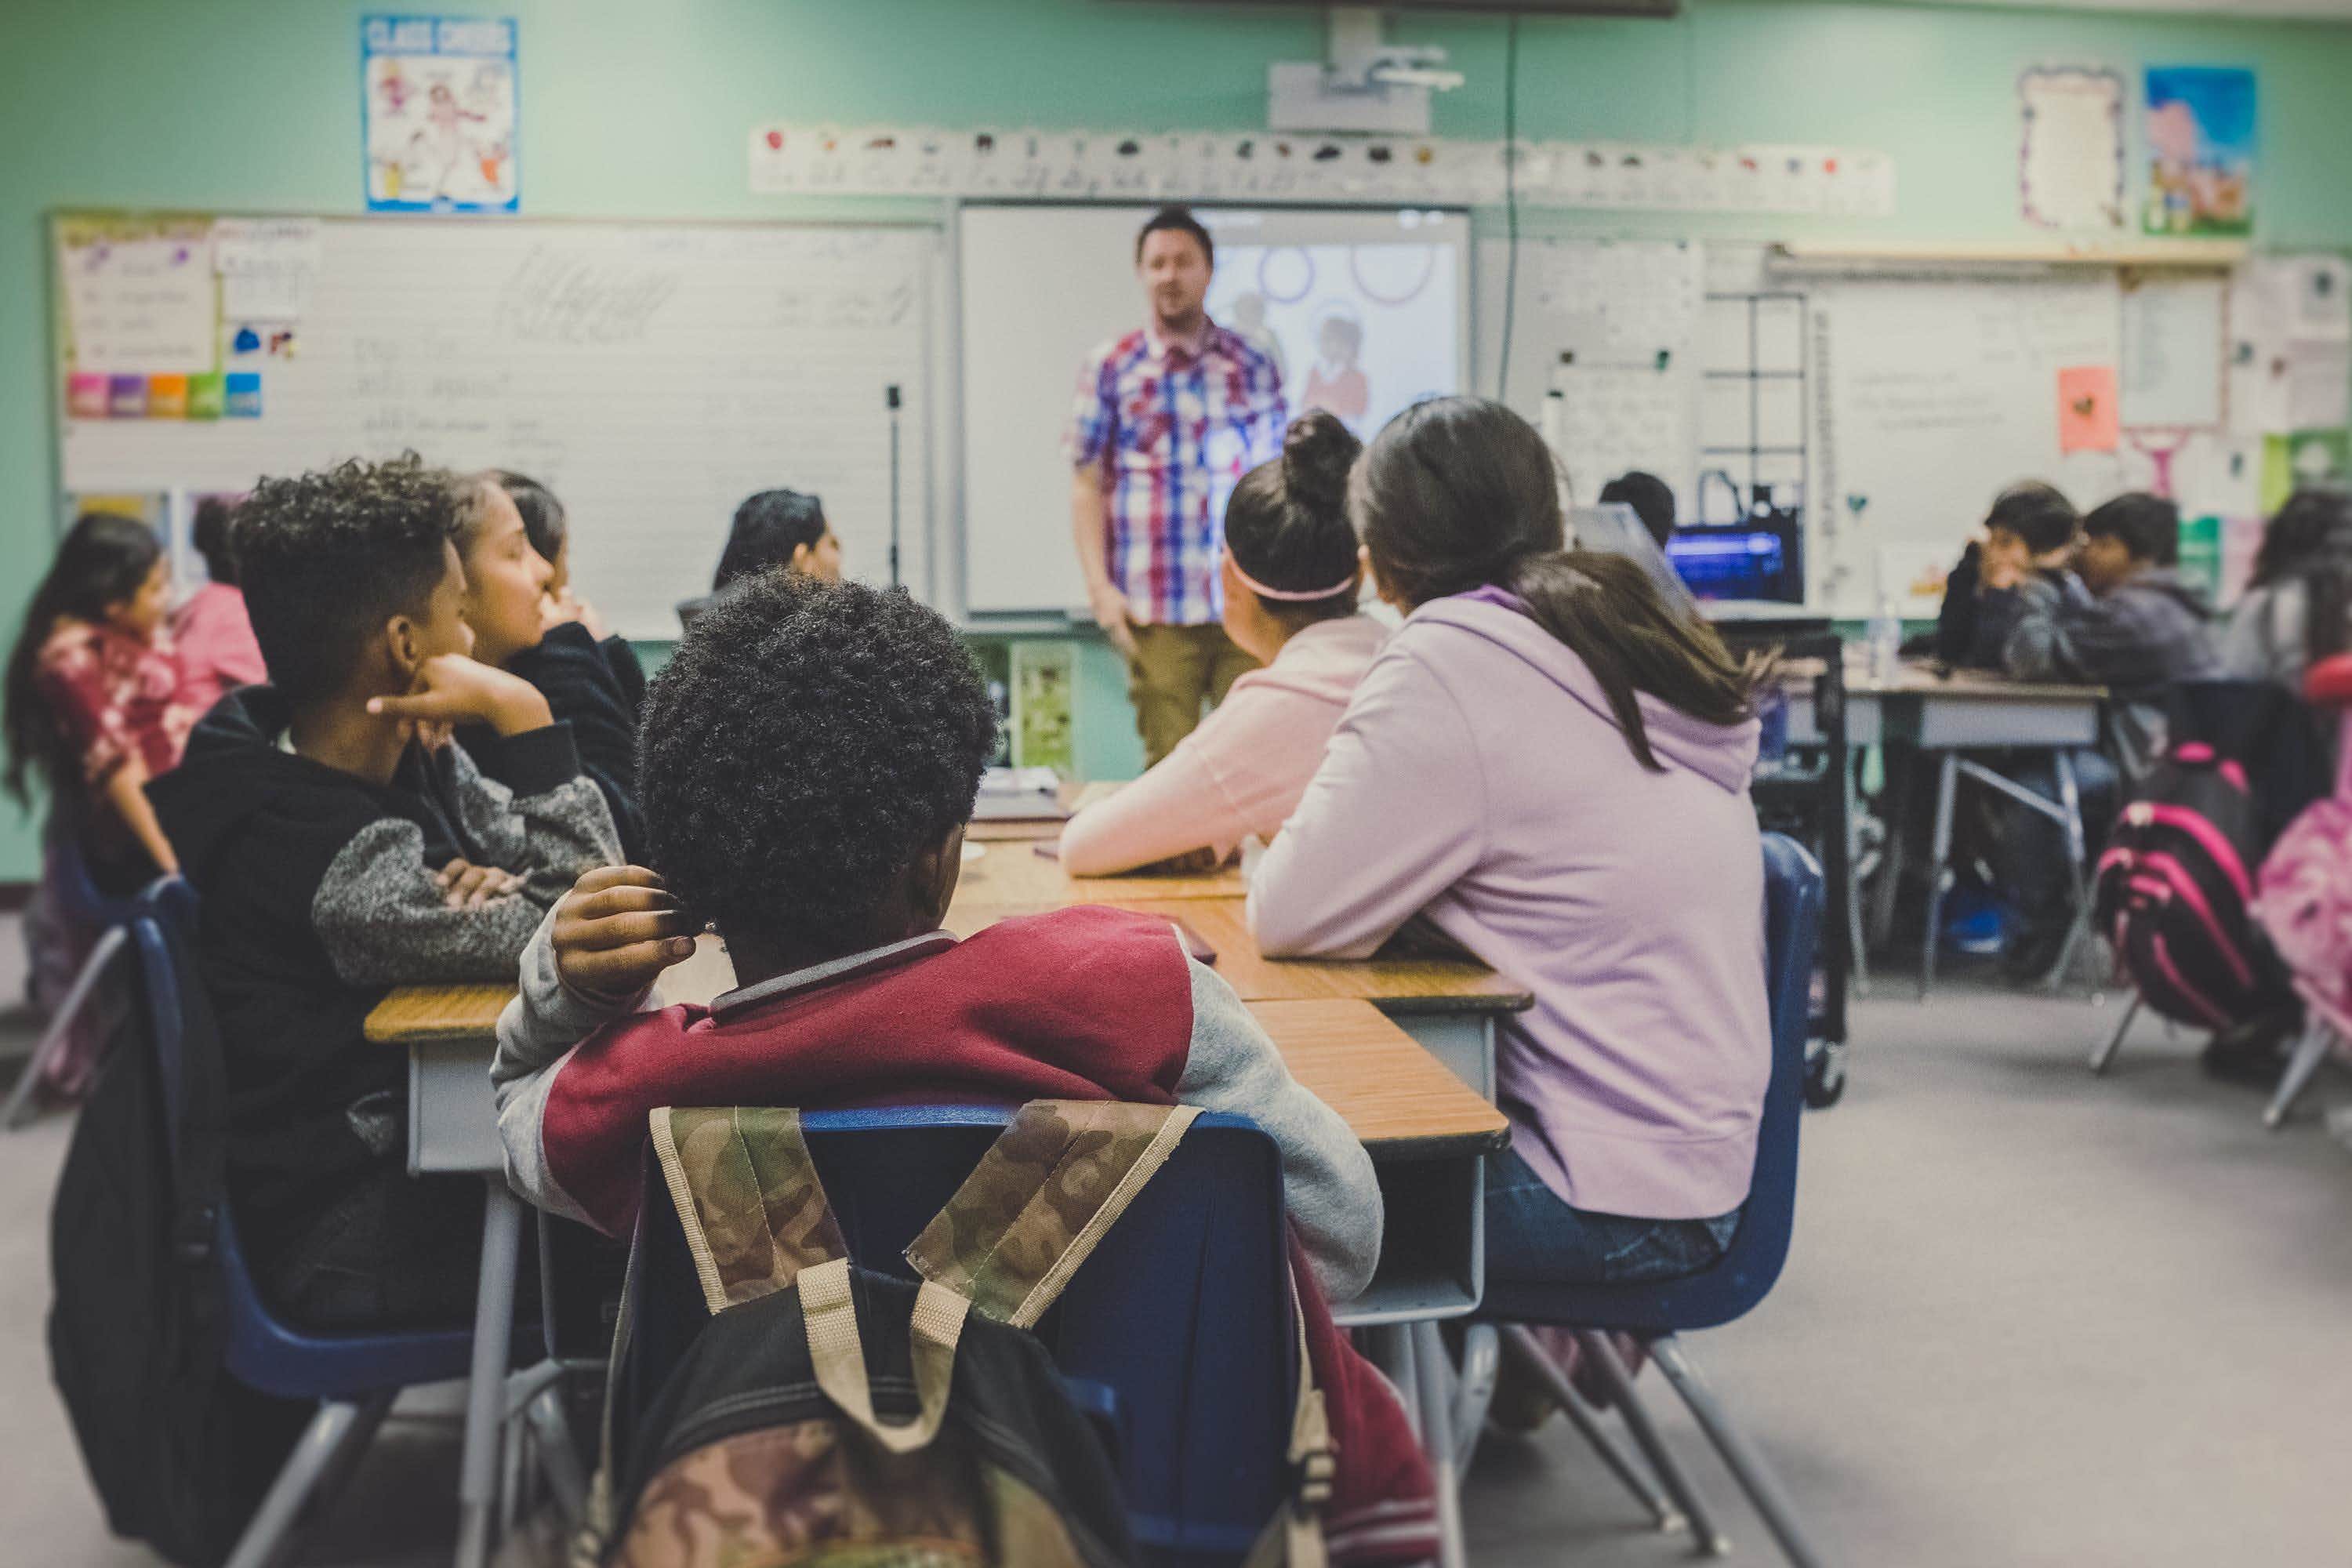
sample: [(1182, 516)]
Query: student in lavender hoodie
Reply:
[(1292, 581), (1553, 767)]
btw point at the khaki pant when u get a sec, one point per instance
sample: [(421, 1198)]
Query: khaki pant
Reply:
[(1175, 669)]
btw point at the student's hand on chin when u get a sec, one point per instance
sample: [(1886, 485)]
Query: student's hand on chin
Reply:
[(452, 689), (616, 931)]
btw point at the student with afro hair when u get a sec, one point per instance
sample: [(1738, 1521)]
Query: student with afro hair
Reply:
[(810, 758)]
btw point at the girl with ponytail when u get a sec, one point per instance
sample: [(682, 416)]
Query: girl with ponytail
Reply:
[(1551, 764), (1292, 581)]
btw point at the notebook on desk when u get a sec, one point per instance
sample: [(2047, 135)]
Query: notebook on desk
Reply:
[(1020, 795)]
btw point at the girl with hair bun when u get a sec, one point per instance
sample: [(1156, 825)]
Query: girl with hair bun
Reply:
[(1292, 579)]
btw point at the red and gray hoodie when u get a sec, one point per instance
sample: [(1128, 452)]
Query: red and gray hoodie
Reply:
[(1083, 1004)]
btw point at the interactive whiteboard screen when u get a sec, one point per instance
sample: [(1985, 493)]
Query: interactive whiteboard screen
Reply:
[(1365, 312)]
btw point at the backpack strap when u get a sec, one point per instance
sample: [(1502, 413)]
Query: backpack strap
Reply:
[(1045, 1192), (748, 1197), (829, 1310), (1293, 1538)]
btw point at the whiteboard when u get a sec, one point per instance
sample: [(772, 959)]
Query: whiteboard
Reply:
[(1612, 326), (651, 374), (1933, 394), (1041, 287)]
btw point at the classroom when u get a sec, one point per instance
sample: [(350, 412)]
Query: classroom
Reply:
[(1176, 782)]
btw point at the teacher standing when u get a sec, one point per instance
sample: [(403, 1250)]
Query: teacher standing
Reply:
[(1169, 418)]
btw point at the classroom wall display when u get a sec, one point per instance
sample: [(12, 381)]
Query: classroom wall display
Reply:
[(1086, 166), (440, 112), (1365, 312), (2070, 157), (2201, 135), (652, 375), (138, 318)]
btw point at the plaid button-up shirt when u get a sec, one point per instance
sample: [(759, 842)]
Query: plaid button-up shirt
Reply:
[(1172, 426)]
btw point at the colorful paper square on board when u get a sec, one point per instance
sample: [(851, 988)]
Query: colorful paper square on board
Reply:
[(2089, 418), (87, 395), (126, 396), (167, 397), (243, 394), (208, 395)]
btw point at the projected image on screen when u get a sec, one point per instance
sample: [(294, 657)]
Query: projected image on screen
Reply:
[(1360, 330), (1365, 311)]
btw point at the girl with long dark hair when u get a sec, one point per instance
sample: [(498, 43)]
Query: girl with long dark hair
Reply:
[(1551, 764)]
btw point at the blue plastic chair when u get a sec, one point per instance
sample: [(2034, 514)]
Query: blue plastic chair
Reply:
[(1175, 1334), (79, 898), (354, 1377), (1656, 1313)]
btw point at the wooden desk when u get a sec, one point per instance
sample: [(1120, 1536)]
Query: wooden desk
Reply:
[(1013, 874)]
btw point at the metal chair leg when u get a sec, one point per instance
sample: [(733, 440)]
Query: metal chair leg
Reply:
[(1473, 1390), (1706, 1537), (1746, 1466), (53, 1038), (2078, 931), (559, 1460), (2104, 1056), (1529, 1360), (1940, 869), (269, 1536), (1431, 1369), (2317, 1041)]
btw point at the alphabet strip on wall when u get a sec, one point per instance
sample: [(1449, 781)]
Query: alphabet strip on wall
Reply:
[(900, 161)]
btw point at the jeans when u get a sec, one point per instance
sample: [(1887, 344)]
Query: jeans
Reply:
[(1534, 1236), (2030, 849), (397, 1252)]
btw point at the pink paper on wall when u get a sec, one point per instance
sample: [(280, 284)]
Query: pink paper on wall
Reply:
[(2089, 419)]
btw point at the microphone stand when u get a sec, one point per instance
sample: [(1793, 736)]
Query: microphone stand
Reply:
[(890, 398)]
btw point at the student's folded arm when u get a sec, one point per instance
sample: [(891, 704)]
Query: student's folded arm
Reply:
[(1173, 808), (543, 817), (2037, 647), (1394, 816), (1327, 1184), (381, 915), (546, 1020)]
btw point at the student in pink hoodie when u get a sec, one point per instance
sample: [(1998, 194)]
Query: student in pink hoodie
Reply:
[(213, 635), (1552, 766), (1291, 586)]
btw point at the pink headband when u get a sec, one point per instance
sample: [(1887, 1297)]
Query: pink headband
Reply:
[(1285, 596)]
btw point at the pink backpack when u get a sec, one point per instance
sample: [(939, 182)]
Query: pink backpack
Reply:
[(2303, 897)]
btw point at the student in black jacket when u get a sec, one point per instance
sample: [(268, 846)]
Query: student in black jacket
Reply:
[(341, 845), (2030, 530), (520, 627), (547, 526)]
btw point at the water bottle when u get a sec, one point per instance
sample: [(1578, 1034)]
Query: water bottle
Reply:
[(1885, 641)]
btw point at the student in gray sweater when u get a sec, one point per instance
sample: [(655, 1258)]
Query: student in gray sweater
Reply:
[(341, 845)]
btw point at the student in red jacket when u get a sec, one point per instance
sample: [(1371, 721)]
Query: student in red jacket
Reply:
[(810, 758)]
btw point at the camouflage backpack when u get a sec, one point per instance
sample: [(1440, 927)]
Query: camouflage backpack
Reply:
[(830, 1414)]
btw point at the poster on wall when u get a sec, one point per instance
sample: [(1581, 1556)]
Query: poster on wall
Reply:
[(438, 101), (2070, 163), (2202, 140)]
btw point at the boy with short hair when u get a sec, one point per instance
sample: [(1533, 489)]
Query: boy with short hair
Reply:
[(2030, 529), (810, 759), (341, 846)]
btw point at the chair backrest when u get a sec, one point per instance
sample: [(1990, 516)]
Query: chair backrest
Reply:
[(1181, 1314), (262, 1351), (1749, 1266)]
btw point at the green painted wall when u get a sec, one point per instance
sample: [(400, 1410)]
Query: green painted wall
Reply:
[(638, 110)]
